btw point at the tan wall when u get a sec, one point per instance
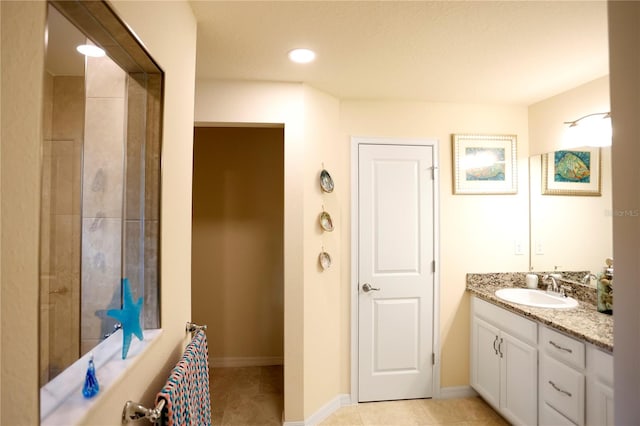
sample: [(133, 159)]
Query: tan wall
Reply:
[(624, 18), (477, 232), (175, 53), (21, 135), (237, 245), (552, 216), (274, 103), (496, 222), (547, 117), (21, 140), (326, 293)]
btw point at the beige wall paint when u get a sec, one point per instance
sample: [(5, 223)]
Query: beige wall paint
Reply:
[(552, 216), (237, 262), (477, 232), (546, 117), (624, 20), (494, 221), (175, 53), (316, 313), (1, 102), (22, 53), (326, 293), (21, 138), (274, 103)]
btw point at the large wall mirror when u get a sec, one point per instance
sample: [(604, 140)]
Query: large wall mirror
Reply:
[(100, 211), (572, 232)]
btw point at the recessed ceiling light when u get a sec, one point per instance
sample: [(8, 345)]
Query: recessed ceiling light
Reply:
[(302, 56), (90, 50)]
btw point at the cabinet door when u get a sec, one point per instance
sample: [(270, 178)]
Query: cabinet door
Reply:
[(519, 380), (485, 361), (599, 404)]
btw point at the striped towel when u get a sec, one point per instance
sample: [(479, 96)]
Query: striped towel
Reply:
[(186, 393)]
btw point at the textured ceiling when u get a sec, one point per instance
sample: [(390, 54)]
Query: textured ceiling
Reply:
[(507, 52)]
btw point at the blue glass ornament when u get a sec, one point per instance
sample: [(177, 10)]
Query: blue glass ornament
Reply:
[(91, 386), (128, 316)]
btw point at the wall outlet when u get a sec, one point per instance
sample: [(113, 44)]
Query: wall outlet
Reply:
[(539, 248), (518, 247)]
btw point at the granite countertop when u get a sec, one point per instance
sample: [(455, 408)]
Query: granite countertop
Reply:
[(583, 322)]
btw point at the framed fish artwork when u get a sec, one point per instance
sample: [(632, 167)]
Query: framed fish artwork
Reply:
[(484, 164), (572, 172)]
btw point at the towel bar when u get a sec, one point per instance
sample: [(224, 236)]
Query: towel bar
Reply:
[(134, 411), (193, 327)]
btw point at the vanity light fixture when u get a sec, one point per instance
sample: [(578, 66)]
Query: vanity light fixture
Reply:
[(590, 130), (90, 50), (302, 56)]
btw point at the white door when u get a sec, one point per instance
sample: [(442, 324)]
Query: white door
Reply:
[(395, 271)]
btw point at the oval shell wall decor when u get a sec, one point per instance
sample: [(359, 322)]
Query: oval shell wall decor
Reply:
[(326, 182), (325, 260), (325, 221)]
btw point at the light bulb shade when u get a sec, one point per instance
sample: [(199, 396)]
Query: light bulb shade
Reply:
[(593, 130)]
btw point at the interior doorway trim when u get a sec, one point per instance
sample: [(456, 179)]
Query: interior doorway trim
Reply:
[(355, 142)]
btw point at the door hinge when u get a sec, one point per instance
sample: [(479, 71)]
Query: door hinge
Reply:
[(433, 266), (433, 172), (433, 358)]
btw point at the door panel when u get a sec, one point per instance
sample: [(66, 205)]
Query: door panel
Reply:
[(396, 251), (393, 351)]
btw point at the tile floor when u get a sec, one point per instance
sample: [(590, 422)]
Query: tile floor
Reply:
[(252, 396), (247, 396)]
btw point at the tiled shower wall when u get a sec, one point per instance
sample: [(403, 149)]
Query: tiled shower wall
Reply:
[(102, 197), (63, 114)]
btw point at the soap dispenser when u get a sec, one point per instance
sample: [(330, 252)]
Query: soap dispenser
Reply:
[(605, 288), (531, 279)]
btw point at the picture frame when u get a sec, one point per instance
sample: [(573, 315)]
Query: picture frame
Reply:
[(484, 164), (572, 172)]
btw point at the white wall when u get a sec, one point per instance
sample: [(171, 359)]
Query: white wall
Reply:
[(477, 232), (624, 60)]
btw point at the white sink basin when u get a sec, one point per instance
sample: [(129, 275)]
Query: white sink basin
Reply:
[(535, 298)]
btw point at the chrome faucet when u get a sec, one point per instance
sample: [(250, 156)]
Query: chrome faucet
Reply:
[(554, 283), (587, 278)]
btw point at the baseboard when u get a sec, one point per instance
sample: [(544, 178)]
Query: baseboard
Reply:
[(246, 361), (325, 411), (457, 392)]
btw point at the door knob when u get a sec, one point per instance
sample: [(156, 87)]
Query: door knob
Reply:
[(366, 287)]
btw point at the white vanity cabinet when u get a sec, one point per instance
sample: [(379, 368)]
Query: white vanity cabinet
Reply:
[(535, 375), (599, 387), (504, 361), (576, 381), (562, 382)]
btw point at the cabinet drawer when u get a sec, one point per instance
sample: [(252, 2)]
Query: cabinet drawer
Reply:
[(511, 323), (562, 388), (562, 347), (550, 417)]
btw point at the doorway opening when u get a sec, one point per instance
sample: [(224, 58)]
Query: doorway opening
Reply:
[(238, 267)]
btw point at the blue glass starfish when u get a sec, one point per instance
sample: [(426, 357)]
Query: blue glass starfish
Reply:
[(128, 316)]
